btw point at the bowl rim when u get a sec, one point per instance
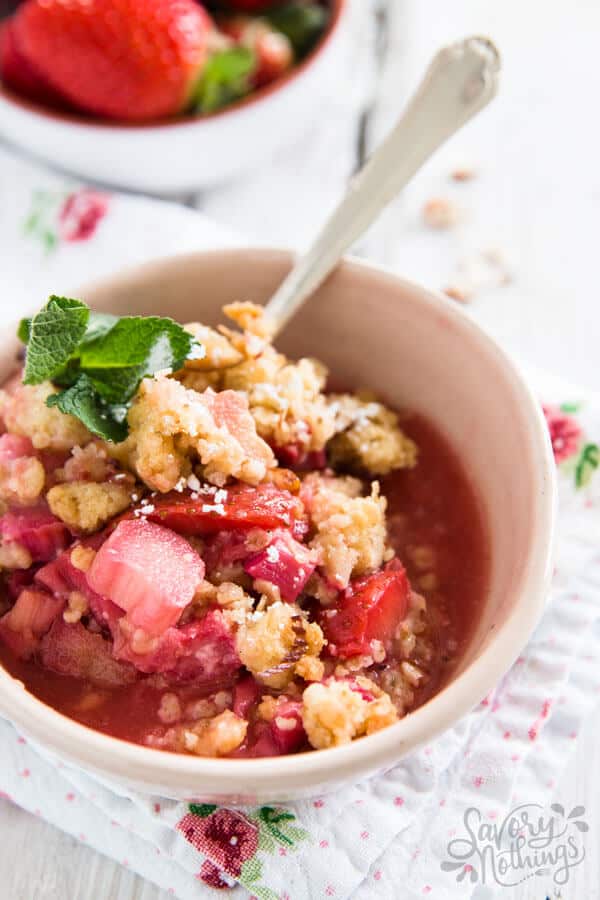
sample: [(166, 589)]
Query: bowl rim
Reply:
[(339, 9), (86, 745)]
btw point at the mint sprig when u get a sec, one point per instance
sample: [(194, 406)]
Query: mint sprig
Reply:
[(53, 335), (99, 359), (83, 401)]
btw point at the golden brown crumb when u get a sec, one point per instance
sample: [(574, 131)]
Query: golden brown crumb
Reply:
[(22, 480), (25, 413), (77, 606), (169, 423), (89, 463), (267, 708), (439, 212), (333, 713), (209, 737), (351, 531), (310, 668), (86, 506), (82, 557), (169, 710), (250, 317), (14, 556), (271, 641), (368, 437), (219, 353)]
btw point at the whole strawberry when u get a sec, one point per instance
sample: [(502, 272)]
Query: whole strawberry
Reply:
[(122, 59), (17, 72)]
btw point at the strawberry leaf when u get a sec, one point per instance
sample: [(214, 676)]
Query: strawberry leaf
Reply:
[(301, 23), (226, 77)]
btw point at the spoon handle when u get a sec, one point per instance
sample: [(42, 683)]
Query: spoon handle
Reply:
[(461, 80)]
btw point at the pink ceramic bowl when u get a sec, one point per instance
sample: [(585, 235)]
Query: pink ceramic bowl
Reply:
[(421, 351), (189, 152)]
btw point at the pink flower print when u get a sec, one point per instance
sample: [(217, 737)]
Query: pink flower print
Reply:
[(227, 837), (80, 214), (565, 433), (212, 876)]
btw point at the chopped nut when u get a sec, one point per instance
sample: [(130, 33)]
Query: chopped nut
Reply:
[(463, 173), (440, 212)]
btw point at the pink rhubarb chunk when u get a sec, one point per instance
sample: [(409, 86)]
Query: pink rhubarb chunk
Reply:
[(35, 528), (148, 571), (285, 563), (201, 651), (75, 651), (13, 446), (22, 627)]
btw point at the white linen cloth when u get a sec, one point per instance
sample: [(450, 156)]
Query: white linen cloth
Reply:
[(387, 836)]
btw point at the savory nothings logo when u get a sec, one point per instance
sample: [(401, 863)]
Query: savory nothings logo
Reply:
[(531, 841)]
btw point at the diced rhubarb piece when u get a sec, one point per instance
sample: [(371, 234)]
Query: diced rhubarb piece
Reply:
[(296, 457), (149, 571), (13, 446), (35, 528), (239, 506), (285, 563), (75, 651), (370, 609), (246, 695), (283, 734), (61, 577), (230, 411), (22, 627), (286, 726), (226, 548), (201, 651), (19, 579)]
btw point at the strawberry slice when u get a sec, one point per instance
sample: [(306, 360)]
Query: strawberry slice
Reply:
[(285, 563), (75, 651), (36, 529), (30, 618), (239, 506), (370, 609), (148, 571)]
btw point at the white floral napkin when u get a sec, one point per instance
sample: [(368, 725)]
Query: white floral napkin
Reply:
[(406, 826)]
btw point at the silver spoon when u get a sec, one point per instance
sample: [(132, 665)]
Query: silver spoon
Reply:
[(461, 79)]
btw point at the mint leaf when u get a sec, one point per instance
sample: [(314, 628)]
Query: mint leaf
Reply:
[(302, 24), (225, 78), (134, 347), (149, 341), (98, 325), (24, 330), (82, 401), (53, 335)]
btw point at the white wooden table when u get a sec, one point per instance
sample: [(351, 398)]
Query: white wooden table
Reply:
[(535, 202)]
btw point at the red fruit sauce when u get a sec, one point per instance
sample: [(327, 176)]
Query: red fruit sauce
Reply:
[(432, 505)]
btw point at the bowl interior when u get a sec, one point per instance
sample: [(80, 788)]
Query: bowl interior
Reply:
[(421, 353), (74, 118)]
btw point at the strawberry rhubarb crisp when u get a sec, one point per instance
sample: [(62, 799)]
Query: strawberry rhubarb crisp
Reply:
[(205, 551)]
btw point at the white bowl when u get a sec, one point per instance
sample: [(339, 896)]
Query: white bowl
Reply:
[(423, 352), (185, 153)]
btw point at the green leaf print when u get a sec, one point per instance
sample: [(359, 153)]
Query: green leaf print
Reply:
[(587, 463), (202, 809)]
